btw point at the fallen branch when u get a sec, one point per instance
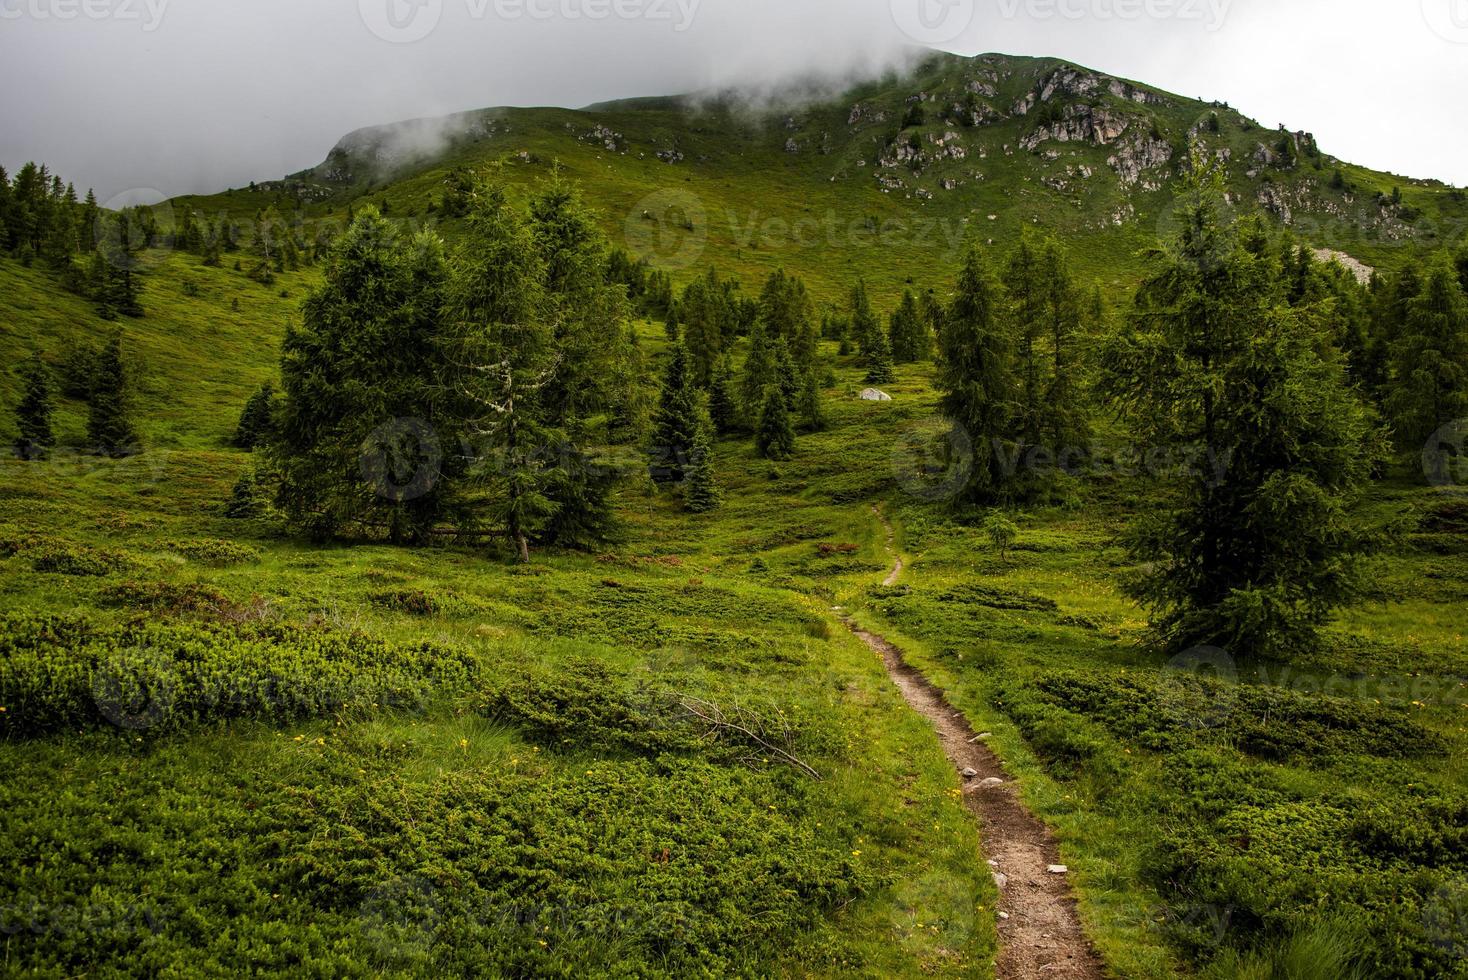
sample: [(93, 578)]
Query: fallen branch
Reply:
[(710, 715)]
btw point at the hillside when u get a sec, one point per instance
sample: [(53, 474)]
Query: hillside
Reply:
[(889, 178), (236, 744)]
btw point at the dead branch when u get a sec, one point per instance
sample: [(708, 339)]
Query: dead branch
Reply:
[(712, 716)]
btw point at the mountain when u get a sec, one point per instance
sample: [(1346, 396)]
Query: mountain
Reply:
[(887, 178)]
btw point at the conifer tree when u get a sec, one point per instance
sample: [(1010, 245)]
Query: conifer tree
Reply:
[(701, 492), (87, 228), (369, 429), (121, 286), (974, 376), (811, 408), (109, 427), (761, 369), (506, 350), (1429, 359), (774, 435), (675, 423), (908, 332), (33, 415), (723, 410), (879, 357), (1255, 549), (864, 330), (257, 423)]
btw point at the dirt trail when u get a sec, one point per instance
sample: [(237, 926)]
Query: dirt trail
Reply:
[(1040, 933)]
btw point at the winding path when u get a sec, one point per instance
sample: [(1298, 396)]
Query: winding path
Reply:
[(1040, 933)]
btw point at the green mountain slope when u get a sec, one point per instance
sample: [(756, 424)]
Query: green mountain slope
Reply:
[(886, 179)]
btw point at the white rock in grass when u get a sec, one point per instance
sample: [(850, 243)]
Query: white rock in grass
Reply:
[(1058, 869), (874, 395)]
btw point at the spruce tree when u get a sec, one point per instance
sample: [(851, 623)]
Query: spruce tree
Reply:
[(109, 428), (774, 435), (811, 408), (761, 369), (370, 423), (1255, 547), (33, 415), (723, 410), (1429, 359), (121, 288), (675, 424), (701, 492), (864, 330), (908, 332), (506, 354), (974, 376), (257, 423), (879, 357)]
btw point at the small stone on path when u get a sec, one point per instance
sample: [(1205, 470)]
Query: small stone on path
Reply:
[(1058, 869), (970, 773)]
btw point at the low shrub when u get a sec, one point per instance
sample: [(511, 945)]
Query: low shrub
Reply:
[(58, 673), (214, 552)]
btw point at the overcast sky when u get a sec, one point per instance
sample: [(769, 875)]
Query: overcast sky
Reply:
[(197, 95)]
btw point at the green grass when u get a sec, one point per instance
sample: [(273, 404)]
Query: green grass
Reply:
[(506, 810)]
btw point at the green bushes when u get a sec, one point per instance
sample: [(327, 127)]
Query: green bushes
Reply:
[(59, 674), (1247, 854), (336, 863), (214, 552), (165, 597)]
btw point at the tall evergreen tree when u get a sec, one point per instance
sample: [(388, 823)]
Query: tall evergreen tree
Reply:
[(109, 425), (701, 491), (1429, 359), (864, 328), (1256, 549), (879, 361), (122, 290), (774, 435), (908, 332), (974, 376), (597, 370), (723, 409), (33, 415), (506, 349), (676, 422), (257, 420), (369, 430)]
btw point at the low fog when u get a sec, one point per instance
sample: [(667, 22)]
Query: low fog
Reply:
[(163, 97)]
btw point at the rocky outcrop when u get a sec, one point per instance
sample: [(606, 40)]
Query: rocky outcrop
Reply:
[(1138, 154), (1354, 266), (1080, 123)]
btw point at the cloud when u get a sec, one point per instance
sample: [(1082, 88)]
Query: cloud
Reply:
[(217, 95)]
